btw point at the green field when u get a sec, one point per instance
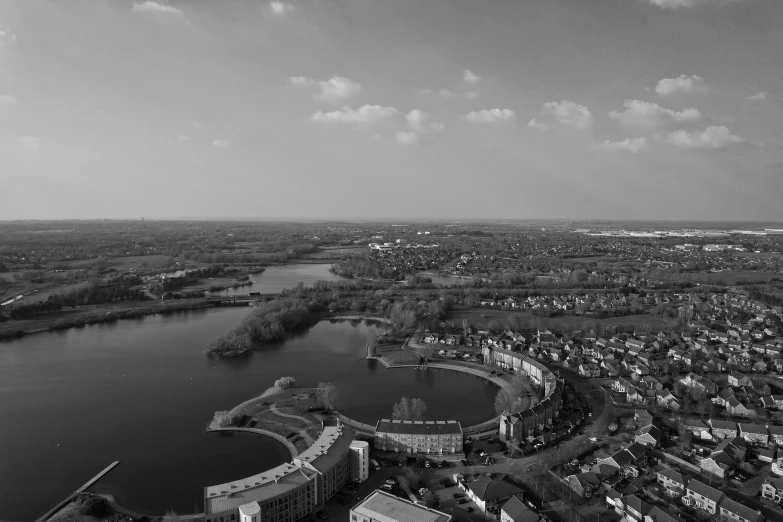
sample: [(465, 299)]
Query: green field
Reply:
[(730, 277)]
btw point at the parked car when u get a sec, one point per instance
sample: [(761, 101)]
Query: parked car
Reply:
[(470, 509), (463, 501), (426, 463), (458, 495), (322, 515)]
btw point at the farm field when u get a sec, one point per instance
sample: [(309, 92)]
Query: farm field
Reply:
[(730, 277), (483, 316)]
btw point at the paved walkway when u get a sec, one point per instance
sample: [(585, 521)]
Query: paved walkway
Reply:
[(258, 431), (302, 433)]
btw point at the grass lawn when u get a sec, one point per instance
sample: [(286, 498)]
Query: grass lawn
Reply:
[(483, 316)]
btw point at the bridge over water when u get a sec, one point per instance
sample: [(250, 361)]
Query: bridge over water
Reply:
[(239, 300)]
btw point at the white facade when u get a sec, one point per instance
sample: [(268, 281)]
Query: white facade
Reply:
[(360, 460), (250, 512)]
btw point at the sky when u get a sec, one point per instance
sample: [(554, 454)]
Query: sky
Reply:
[(436, 109)]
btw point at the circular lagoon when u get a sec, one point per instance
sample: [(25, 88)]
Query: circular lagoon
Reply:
[(142, 392)]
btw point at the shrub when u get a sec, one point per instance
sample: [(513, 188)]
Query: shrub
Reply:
[(285, 382)]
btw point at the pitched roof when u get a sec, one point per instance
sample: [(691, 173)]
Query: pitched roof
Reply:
[(488, 489), (704, 490), (657, 514), (672, 475), (517, 511), (743, 511), (383, 507)]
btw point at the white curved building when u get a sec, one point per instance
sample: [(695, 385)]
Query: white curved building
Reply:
[(360, 460)]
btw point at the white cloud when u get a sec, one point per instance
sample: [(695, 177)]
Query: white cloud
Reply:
[(445, 93), (759, 96), (31, 142), (471, 95), (364, 114), (490, 116), (6, 36), (333, 89), (197, 125), (714, 137), (683, 83), (632, 145), (533, 124), (183, 138), (6, 99), (470, 77), (640, 113), (570, 113), (420, 121), (406, 137), (680, 4), (220, 144), (280, 8), (156, 8)]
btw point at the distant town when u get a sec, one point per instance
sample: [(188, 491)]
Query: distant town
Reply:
[(637, 376)]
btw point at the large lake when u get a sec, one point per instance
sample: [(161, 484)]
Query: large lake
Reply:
[(142, 391)]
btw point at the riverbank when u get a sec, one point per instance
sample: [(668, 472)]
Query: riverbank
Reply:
[(94, 314)]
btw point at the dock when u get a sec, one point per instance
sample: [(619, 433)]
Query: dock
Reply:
[(49, 514), (97, 477)]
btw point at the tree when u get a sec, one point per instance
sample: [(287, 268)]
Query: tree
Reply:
[(430, 500), (223, 419), (407, 477), (505, 401), (326, 395), (409, 409), (372, 342), (285, 382)]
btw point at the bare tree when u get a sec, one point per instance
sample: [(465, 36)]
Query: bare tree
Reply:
[(409, 409), (326, 395)]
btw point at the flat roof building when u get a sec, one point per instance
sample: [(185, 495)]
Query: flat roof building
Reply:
[(384, 507)]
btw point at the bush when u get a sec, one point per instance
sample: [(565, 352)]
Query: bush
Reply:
[(285, 382)]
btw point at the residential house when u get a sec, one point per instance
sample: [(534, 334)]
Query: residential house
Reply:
[(672, 481), (775, 434), (722, 429), (589, 370), (704, 497), (634, 509), (648, 435), (698, 429), (488, 493), (584, 484), (515, 510), (772, 489), (657, 514), (735, 407), (754, 433), (731, 510)]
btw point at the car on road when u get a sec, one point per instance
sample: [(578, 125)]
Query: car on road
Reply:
[(463, 501), (386, 487), (322, 515), (458, 495), (470, 509), (426, 463)]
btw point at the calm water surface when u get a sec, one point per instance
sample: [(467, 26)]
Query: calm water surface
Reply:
[(142, 391), (277, 278)]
